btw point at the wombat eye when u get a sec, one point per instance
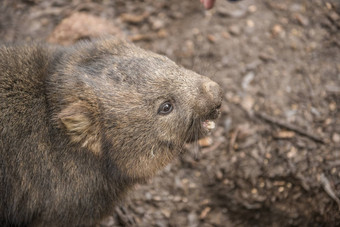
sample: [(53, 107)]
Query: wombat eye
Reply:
[(165, 108)]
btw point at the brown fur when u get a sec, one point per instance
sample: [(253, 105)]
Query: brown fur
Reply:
[(79, 126)]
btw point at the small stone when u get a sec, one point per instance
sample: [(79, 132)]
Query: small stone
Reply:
[(328, 121), (329, 5), (302, 19), (332, 106), (292, 153), (211, 38), (205, 142), (227, 124), (336, 138), (185, 181), (250, 23), (192, 185), (225, 35), (148, 196), (247, 79), (276, 30), (195, 31), (254, 64), (334, 16), (225, 12), (297, 8), (226, 181), (188, 49), (157, 24), (193, 219), (177, 198), (166, 212), (215, 218), (162, 33), (332, 88), (248, 103), (225, 61), (139, 210), (157, 198), (234, 30), (205, 202), (266, 57), (333, 170), (252, 8), (219, 175), (262, 184)]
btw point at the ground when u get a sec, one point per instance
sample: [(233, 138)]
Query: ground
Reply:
[(274, 159)]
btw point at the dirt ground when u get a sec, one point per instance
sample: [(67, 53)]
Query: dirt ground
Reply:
[(274, 159)]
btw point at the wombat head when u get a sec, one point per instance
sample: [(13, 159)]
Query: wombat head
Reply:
[(130, 105)]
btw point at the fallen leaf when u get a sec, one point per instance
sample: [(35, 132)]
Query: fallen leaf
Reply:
[(205, 212)]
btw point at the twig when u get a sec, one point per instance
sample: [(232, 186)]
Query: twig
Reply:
[(328, 188), (233, 140), (290, 127)]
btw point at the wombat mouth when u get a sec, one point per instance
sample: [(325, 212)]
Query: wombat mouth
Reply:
[(208, 124), (202, 127)]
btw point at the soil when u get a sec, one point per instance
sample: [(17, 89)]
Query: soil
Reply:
[(274, 159)]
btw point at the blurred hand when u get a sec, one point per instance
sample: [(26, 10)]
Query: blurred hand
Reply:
[(208, 4)]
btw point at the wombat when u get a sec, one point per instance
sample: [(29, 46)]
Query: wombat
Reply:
[(81, 125)]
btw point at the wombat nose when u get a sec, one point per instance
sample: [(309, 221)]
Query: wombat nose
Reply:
[(213, 90)]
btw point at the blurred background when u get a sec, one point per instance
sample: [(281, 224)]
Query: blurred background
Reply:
[(274, 159)]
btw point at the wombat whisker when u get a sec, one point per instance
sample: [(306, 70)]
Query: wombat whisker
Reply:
[(196, 150), (193, 135), (197, 132)]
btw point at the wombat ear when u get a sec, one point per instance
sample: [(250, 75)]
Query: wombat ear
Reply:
[(76, 119)]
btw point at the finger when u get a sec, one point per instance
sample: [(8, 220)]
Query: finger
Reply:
[(208, 4)]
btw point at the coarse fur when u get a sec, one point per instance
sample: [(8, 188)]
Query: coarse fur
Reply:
[(80, 125)]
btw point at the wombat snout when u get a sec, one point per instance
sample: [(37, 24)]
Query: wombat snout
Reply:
[(209, 106), (213, 90)]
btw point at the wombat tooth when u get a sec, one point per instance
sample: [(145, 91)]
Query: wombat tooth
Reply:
[(210, 125)]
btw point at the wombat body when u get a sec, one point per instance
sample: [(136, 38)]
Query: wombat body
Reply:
[(80, 125)]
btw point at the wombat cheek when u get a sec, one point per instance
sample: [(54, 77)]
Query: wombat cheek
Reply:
[(147, 164)]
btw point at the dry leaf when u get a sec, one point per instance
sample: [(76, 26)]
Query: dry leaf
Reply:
[(205, 212)]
